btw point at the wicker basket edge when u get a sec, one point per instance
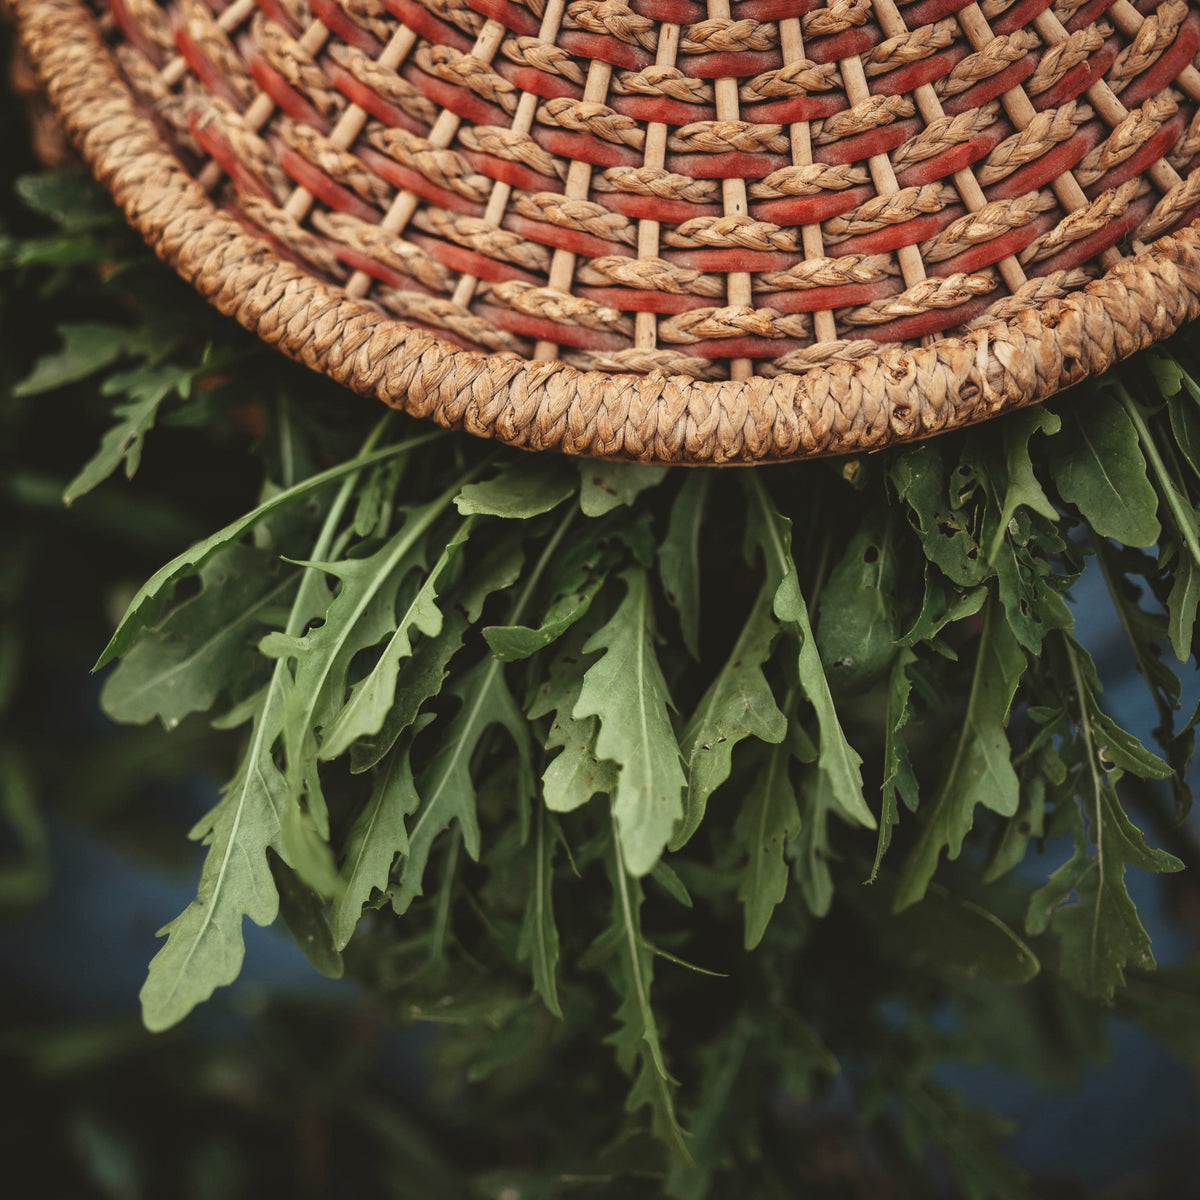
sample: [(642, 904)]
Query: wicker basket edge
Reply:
[(898, 394)]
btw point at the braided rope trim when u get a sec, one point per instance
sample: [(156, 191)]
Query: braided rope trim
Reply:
[(859, 403)]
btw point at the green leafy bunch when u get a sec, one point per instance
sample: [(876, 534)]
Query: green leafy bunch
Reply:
[(691, 780)]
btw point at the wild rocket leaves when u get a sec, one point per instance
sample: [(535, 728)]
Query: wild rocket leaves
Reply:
[(980, 770), (154, 596), (1102, 470), (484, 724), (204, 947), (1086, 902), (838, 760), (518, 741), (738, 704)]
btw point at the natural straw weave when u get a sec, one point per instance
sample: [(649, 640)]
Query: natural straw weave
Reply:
[(659, 230)]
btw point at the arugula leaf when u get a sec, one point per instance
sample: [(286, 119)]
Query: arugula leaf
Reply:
[(1182, 602), (981, 770), (948, 933), (573, 777), (147, 388), (639, 1050), (717, 1107), (838, 759), (373, 504), (1018, 525), (1022, 488), (86, 349), (941, 605), (421, 675), (857, 623), (1184, 516), (1143, 630), (1185, 423), (446, 787), (810, 850), (509, 643), (577, 572), (940, 514), (377, 836), (204, 948), (679, 556), (360, 616), (625, 689), (1100, 933), (1168, 375), (768, 821), (539, 935), (527, 488), (606, 485), (931, 1113), (1100, 469), (1029, 821), (154, 595), (72, 200), (666, 878), (738, 704), (303, 914), (205, 646), (372, 697)]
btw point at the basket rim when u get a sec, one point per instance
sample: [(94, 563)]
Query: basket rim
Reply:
[(898, 394)]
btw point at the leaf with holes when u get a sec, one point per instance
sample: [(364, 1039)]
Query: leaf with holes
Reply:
[(858, 621)]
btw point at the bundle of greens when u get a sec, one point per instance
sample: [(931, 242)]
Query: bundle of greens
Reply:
[(678, 800)]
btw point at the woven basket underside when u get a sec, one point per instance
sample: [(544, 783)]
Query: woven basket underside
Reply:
[(809, 228)]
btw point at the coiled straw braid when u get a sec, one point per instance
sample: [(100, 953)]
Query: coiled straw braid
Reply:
[(588, 226)]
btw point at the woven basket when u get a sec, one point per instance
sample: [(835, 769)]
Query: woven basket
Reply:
[(655, 229)]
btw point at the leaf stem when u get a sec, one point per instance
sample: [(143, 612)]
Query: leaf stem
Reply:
[(633, 943), (819, 575), (441, 916), (1097, 786), (297, 618), (542, 563)]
